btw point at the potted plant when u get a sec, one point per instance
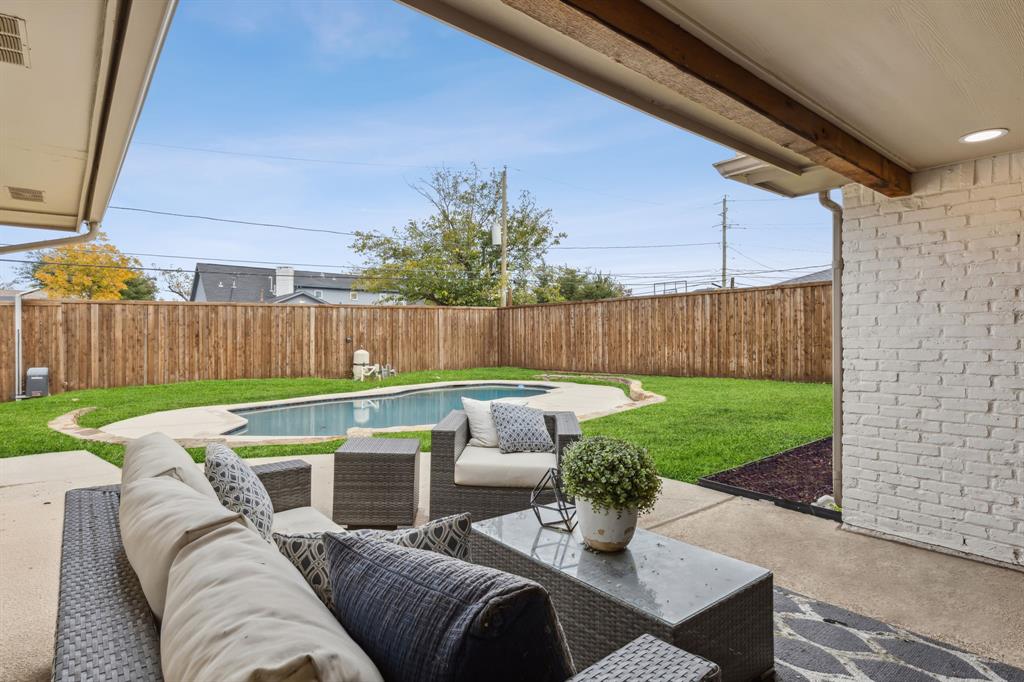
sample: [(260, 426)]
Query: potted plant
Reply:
[(613, 482)]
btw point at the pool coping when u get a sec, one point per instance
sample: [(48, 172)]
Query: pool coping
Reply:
[(223, 419)]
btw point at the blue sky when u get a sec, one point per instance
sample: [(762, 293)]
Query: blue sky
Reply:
[(386, 93)]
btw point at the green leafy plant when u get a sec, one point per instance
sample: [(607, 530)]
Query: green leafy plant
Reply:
[(611, 474)]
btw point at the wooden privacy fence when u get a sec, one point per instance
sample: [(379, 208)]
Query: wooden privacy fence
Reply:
[(105, 344), (759, 333), (770, 333)]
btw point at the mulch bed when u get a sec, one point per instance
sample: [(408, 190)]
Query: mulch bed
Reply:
[(798, 476)]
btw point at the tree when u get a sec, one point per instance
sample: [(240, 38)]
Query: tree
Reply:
[(179, 283), (95, 270), (140, 288), (447, 258), (565, 283)]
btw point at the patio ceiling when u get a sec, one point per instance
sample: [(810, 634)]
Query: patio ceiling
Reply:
[(73, 77), (870, 91)]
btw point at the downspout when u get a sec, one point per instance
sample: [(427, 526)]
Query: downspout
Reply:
[(90, 233), (837, 344), (19, 392)]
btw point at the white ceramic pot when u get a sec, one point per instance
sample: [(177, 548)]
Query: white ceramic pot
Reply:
[(606, 531)]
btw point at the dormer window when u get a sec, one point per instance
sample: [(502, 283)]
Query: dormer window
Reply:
[(318, 294)]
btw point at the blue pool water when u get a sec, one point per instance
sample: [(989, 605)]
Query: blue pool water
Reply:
[(336, 417)]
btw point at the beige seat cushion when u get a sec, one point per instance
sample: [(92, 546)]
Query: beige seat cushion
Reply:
[(159, 516), (303, 520), (237, 610), (492, 468), (158, 454)]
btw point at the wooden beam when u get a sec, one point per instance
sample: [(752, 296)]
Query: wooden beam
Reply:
[(657, 35), (635, 36)]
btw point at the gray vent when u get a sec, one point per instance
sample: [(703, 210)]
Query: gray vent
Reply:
[(13, 42), (23, 194)]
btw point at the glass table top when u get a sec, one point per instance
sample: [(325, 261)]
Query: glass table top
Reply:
[(665, 578)]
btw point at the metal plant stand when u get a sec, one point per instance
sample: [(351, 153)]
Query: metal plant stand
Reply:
[(547, 496)]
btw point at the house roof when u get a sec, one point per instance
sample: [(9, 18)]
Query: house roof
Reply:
[(224, 282), (74, 76), (298, 295), (820, 276)]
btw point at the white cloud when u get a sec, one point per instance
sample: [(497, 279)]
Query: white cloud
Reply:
[(336, 30)]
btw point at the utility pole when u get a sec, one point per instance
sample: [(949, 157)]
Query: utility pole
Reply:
[(504, 236), (725, 227)]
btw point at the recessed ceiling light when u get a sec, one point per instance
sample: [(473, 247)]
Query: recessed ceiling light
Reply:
[(984, 135)]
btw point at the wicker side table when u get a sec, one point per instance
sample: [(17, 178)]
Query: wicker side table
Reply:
[(376, 482), (649, 659)]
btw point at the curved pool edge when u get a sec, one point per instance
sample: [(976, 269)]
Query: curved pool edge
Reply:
[(197, 426)]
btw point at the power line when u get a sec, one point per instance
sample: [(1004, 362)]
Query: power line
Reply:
[(196, 216), (232, 220), (636, 246), (355, 273), (752, 260), (385, 164)]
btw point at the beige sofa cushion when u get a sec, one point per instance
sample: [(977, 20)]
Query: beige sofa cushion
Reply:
[(303, 520), (159, 516), (157, 454), (492, 468), (237, 610)]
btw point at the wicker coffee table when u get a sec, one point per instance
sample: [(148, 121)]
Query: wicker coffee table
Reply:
[(705, 603), (376, 482)]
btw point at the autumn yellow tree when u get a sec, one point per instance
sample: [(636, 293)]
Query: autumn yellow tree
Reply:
[(95, 270)]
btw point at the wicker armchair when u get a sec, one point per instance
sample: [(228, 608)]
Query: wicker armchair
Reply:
[(448, 440)]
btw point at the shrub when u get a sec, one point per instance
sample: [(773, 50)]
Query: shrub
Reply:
[(611, 474)]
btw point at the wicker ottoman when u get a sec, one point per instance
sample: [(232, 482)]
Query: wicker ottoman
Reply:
[(376, 482)]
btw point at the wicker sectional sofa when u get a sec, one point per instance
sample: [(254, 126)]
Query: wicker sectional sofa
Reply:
[(106, 631), (448, 441)]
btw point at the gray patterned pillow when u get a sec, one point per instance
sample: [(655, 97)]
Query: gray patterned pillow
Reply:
[(521, 428), (448, 536), (307, 553), (239, 488)]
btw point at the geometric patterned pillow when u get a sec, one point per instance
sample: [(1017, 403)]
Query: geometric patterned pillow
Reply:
[(448, 536), (307, 553), (239, 488), (521, 428)]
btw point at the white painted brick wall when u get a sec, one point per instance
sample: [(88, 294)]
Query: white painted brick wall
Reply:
[(933, 322)]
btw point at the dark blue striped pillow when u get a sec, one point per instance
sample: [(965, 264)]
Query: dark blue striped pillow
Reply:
[(423, 617)]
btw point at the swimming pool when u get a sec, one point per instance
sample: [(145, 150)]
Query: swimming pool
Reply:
[(335, 417)]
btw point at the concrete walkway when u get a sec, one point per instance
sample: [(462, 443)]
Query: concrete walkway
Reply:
[(31, 518), (976, 606)]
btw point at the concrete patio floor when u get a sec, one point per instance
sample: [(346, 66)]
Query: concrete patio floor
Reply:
[(913, 588)]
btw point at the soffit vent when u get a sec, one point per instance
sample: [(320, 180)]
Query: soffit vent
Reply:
[(13, 42), (23, 194)]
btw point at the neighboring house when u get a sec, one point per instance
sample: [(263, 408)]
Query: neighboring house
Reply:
[(222, 283), (819, 276), (8, 294)]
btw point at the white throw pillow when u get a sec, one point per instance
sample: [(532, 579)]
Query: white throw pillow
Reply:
[(238, 611), (160, 516), (482, 432), (159, 455)]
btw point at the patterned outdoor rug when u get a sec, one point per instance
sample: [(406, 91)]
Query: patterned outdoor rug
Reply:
[(817, 641)]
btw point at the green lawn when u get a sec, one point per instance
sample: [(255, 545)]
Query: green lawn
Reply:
[(706, 425)]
